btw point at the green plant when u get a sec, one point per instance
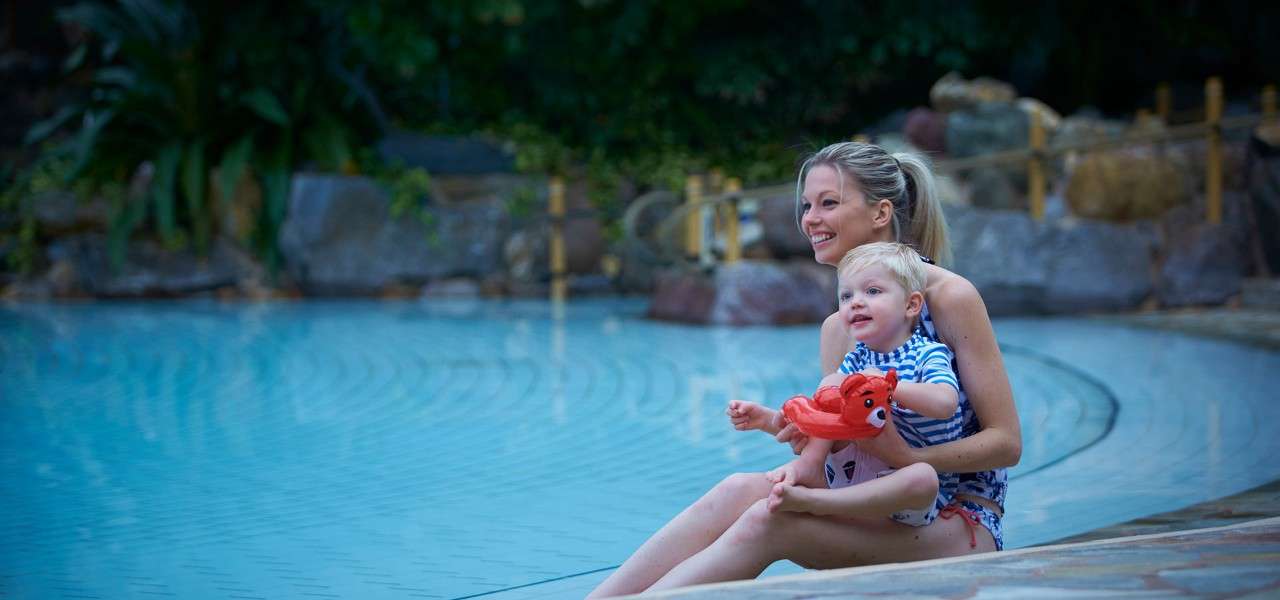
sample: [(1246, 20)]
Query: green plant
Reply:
[(20, 189), (198, 88)]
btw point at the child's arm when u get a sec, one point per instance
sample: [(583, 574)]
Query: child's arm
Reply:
[(745, 416), (933, 400), (937, 394)]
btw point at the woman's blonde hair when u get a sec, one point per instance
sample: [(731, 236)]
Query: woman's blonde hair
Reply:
[(904, 179), (900, 260)]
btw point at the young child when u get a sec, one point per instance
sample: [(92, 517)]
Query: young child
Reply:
[(881, 293)]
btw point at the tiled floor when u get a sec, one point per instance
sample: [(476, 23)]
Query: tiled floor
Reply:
[(449, 450)]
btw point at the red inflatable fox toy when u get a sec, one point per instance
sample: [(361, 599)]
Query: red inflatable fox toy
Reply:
[(857, 409)]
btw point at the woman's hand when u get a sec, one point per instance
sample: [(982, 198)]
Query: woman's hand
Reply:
[(889, 447), (792, 435)]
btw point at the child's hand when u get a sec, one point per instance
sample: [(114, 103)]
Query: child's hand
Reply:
[(786, 474), (790, 434), (746, 415), (872, 372)]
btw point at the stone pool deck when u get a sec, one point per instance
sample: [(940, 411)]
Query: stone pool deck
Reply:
[(1237, 561), (1228, 547)]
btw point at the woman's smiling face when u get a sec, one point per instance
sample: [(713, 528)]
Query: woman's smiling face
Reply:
[(834, 215)]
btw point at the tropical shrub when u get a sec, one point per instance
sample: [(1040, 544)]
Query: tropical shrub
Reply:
[(200, 90)]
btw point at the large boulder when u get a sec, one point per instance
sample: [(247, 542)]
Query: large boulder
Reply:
[(59, 213), (782, 235), (1204, 263), (1095, 266), (1021, 266), (685, 295), (1264, 196), (339, 238), (1085, 128), (460, 189), (1204, 266), (1003, 254), (1124, 185), (446, 155), (954, 92), (148, 269), (1050, 120), (991, 187), (746, 293), (986, 128), (926, 129)]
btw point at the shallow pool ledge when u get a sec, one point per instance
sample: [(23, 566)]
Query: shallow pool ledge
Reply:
[(1235, 560)]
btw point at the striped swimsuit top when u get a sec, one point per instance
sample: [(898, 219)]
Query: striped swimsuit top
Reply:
[(992, 484)]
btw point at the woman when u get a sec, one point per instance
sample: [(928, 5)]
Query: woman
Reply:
[(849, 194)]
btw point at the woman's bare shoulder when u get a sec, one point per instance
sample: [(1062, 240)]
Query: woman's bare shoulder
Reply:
[(957, 307), (947, 290)]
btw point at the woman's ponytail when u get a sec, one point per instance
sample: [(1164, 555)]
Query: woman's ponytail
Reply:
[(921, 209)]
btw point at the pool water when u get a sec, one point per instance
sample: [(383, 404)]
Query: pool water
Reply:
[(364, 449)]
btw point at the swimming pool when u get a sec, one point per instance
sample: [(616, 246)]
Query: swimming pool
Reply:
[(353, 449)]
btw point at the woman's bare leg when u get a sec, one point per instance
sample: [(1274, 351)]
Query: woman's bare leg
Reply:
[(762, 537), (688, 533)]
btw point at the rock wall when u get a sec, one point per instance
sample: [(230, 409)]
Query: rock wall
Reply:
[(1019, 265)]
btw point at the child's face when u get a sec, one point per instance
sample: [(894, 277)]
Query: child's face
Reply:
[(877, 309)]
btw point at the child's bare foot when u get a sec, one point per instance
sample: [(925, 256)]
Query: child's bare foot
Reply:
[(789, 498), (811, 476)]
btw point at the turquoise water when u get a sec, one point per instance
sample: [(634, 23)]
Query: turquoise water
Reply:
[(453, 449)]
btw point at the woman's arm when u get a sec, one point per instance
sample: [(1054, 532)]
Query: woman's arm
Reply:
[(963, 324), (834, 344)]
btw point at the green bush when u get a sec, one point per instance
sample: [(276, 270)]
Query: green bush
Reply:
[(197, 88)]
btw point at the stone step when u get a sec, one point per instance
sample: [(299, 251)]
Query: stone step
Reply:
[(1261, 292)]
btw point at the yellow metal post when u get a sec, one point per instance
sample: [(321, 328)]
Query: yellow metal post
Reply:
[(1164, 102), (1213, 166), (1035, 168), (555, 208), (693, 217), (715, 181), (1269, 102), (732, 244)]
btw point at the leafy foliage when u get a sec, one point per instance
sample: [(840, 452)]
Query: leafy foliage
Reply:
[(641, 91), (197, 91)]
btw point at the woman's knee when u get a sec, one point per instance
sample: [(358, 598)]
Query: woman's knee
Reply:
[(742, 487), (756, 525)]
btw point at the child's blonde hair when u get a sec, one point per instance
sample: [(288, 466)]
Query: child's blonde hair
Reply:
[(900, 260)]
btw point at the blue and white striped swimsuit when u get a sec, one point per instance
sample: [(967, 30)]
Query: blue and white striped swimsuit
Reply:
[(923, 361), (993, 484)]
